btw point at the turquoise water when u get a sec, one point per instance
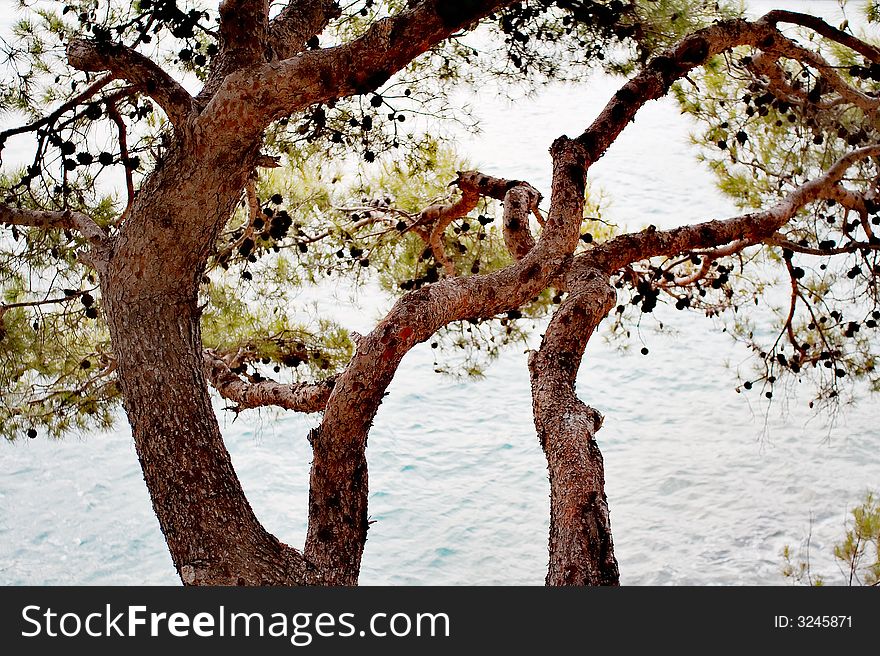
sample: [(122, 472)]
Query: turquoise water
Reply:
[(703, 486)]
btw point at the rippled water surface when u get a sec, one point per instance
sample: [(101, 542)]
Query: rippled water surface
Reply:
[(702, 488)]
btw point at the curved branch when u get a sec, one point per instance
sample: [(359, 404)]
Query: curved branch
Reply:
[(339, 471), (654, 80), (127, 64), (521, 201), (673, 64), (792, 307), (436, 218), (821, 27), (302, 397), (276, 89), (432, 221), (709, 257)]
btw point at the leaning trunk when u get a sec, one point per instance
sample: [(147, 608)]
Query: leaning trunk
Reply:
[(212, 533), (150, 297), (581, 548)]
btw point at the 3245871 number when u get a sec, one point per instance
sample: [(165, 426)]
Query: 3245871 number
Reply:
[(824, 621)]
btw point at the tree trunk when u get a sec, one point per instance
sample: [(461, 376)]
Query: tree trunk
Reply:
[(581, 548), (338, 495), (212, 533), (150, 297)]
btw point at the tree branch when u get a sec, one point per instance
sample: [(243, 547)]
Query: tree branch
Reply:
[(244, 31), (434, 219), (788, 48), (55, 219), (852, 247), (122, 133), (301, 397), (581, 548), (653, 81), (298, 22), (752, 228), (821, 27), (67, 105), (519, 203), (127, 64), (520, 199), (339, 443), (709, 256), (278, 88)]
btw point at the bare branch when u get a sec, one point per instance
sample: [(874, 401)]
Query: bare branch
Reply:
[(792, 307), (673, 64), (127, 64), (55, 219), (301, 397), (767, 65), (122, 134), (433, 221), (439, 217)]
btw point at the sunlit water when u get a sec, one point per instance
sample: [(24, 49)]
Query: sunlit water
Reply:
[(703, 488)]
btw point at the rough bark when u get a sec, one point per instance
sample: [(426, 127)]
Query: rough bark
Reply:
[(581, 548), (212, 533), (244, 32), (520, 203), (149, 289)]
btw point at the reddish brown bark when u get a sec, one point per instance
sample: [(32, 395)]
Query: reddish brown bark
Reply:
[(212, 533), (581, 547)]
